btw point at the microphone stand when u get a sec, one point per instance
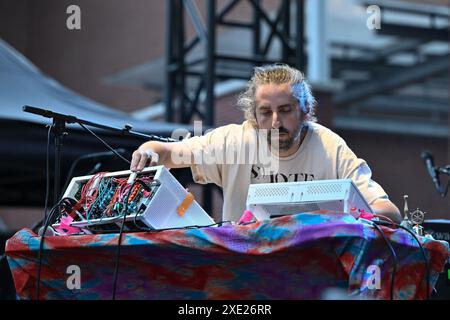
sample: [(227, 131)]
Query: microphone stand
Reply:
[(441, 189), (444, 170), (59, 130)]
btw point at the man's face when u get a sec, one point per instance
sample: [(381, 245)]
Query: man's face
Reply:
[(276, 108)]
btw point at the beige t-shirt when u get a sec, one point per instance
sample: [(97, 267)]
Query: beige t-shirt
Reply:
[(234, 156)]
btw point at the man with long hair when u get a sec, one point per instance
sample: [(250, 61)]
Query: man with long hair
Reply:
[(280, 141)]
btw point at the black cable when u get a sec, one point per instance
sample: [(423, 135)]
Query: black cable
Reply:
[(41, 243), (394, 258), (47, 182), (70, 173), (47, 169), (47, 222), (105, 143), (35, 228), (116, 269), (427, 268)]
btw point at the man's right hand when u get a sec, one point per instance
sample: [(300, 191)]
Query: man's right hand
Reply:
[(143, 156)]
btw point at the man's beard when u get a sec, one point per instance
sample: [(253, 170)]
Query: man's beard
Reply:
[(285, 142)]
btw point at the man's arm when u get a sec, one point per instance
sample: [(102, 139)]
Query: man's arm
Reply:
[(386, 208), (169, 154)]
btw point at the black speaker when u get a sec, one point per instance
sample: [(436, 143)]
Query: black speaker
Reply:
[(440, 230)]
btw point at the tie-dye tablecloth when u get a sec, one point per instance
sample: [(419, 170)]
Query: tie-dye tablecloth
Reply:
[(291, 257)]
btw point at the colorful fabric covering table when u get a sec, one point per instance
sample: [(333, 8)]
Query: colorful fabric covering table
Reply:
[(290, 257)]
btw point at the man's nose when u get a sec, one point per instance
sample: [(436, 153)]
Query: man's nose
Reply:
[(276, 123)]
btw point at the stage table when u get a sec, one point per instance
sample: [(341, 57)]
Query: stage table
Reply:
[(290, 257)]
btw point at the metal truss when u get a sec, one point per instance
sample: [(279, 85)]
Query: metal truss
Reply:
[(194, 65), (378, 86)]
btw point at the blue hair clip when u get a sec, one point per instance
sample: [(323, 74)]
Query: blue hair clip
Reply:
[(300, 92)]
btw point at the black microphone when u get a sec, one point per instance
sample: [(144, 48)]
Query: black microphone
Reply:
[(49, 114), (429, 164)]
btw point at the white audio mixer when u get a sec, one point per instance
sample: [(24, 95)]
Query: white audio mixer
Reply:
[(268, 200)]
